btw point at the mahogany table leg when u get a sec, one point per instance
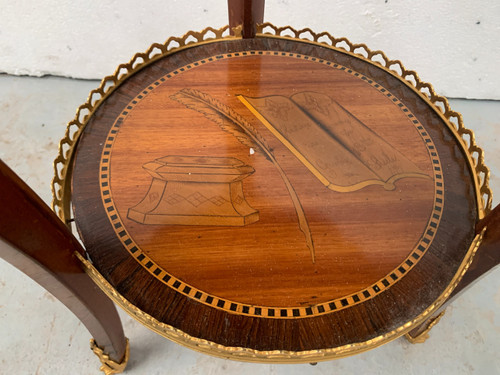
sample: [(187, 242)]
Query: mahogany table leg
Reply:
[(485, 259), (247, 13), (36, 242)]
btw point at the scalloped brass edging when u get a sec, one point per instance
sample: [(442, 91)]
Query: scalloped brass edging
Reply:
[(276, 356), (61, 183), (410, 78)]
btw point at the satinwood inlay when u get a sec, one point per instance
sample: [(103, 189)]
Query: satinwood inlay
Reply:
[(218, 179)]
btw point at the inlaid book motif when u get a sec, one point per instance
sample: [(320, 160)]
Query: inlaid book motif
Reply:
[(341, 151)]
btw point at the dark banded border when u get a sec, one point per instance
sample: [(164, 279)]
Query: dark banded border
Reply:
[(265, 311)]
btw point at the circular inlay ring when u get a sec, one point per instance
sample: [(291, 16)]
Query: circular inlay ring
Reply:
[(257, 310)]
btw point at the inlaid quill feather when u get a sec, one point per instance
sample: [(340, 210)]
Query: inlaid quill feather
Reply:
[(231, 122)]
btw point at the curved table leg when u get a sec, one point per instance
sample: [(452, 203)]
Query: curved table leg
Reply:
[(36, 242), (486, 258)]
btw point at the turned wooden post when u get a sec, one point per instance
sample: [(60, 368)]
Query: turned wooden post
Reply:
[(247, 13)]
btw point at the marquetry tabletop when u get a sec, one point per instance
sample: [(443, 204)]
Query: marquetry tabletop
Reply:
[(273, 199)]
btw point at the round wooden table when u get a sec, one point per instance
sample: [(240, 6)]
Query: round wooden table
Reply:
[(274, 198)]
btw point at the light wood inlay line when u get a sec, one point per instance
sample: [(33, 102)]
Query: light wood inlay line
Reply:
[(269, 311)]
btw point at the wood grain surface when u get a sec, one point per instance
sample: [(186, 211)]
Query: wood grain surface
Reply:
[(198, 212), (36, 242), (246, 13)]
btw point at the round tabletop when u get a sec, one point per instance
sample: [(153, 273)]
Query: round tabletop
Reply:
[(273, 199)]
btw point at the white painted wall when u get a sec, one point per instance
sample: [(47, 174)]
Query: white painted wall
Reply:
[(452, 44)]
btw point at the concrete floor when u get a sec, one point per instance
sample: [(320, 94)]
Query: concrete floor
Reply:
[(38, 335)]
